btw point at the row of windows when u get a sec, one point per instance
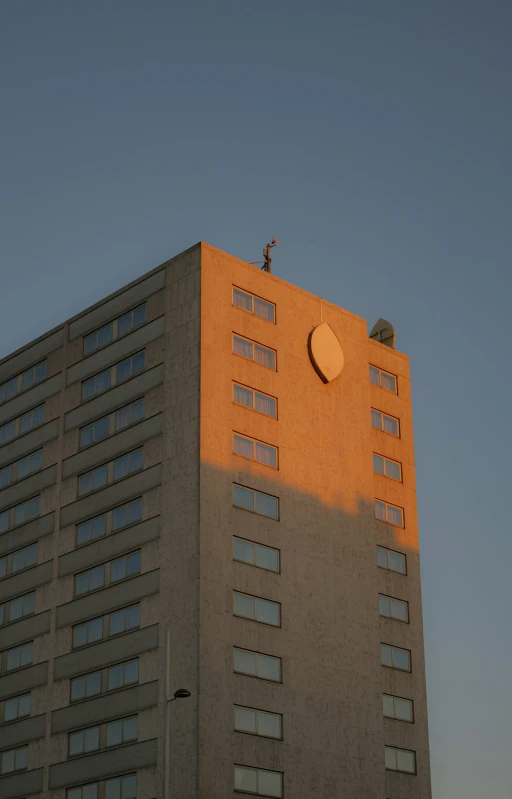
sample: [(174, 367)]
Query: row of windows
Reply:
[(22, 468), (18, 561), (22, 382), (115, 623), (99, 682), (117, 788), (101, 428), (17, 657), (14, 760), (18, 608), (107, 573), (116, 329), (109, 522), (20, 514), (102, 736), (21, 425), (113, 376), (16, 708), (110, 472)]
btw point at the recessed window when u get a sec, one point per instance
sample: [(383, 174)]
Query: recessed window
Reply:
[(108, 473), (84, 741), (8, 390), (115, 329), (89, 791), (86, 686), (127, 514), (122, 675), (395, 658), (94, 432), (258, 781), (3, 567), (387, 467), (130, 366), (100, 338), (19, 608), (87, 633), (393, 608), (122, 620), (120, 788), (389, 559), (255, 450), (20, 656), (388, 424), (92, 529), (90, 580), (14, 760), (253, 351), (7, 432), (113, 375), (256, 664), (255, 501), (22, 468), (128, 415), (256, 554), (131, 320), (258, 722), (124, 567), (96, 385), (395, 707), (127, 464), (250, 302), (31, 419), (255, 400), (17, 708), (24, 558), (391, 514), (257, 609), (112, 521), (400, 759), (120, 732), (383, 379), (93, 480), (26, 511), (22, 382)]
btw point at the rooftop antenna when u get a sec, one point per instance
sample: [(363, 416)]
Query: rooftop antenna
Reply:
[(267, 262)]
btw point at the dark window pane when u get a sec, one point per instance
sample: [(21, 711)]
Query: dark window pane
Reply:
[(132, 618), (136, 460), (124, 324), (138, 362), (115, 678), (139, 315), (123, 370), (131, 672), (266, 505), (243, 497), (104, 335)]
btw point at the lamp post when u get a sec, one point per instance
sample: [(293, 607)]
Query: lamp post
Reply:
[(181, 693)]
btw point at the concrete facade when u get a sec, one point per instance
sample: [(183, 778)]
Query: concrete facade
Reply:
[(175, 611)]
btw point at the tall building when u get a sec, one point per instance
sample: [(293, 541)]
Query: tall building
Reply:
[(207, 482)]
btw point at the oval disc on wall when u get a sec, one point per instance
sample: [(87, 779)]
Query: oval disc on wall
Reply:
[(325, 352)]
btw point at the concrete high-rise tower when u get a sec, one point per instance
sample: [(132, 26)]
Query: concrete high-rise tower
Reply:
[(207, 482)]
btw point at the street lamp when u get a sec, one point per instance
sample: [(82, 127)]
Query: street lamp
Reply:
[(181, 693)]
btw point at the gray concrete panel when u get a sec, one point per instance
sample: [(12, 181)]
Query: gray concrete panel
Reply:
[(109, 497), (108, 599), (29, 443), (115, 398), (111, 447), (23, 680), (24, 630), (116, 351), (22, 784), (31, 355), (28, 487), (117, 305), (105, 653), (103, 764), (25, 581), (27, 533), (109, 547), (106, 707), (31, 398), (21, 732)]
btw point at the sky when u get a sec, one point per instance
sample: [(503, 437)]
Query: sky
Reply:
[(373, 140)]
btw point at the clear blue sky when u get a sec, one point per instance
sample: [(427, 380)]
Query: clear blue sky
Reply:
[(374, 140)]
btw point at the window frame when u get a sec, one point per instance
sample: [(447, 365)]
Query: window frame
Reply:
[(257, 711), (386, 520), (15, 750), (112, 372), (113, 324), (385, 460), (397, 749), (6, 618), (255, 491), (255, 391), (258, 654), (381, 372), (14, 466), (105, 626), (4, 658), (401, 699), (253, 297), (16, 424), (256, 544), (392, 599), (389, 416), (18, 379), (17, 700), (253, 345), (255, 442), (256, 599), (258, 770), (108, 517), (394, 552), (104, 673), (110, 467), (400, 649)]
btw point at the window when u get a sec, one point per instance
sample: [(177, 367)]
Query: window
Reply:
[(400, 759), (258, 722), (395, 658), (255, 501), (3, 567), (20, 607), (256, 400), (389, 513), (17, 707), (394, 707), (8, 390), (84, 741), (258, 781), (26, 511), (92, 529), (96, 385), (22, 468), (387, 467), (4, 521), (389, 559), (93, 480), (253, 351), (254, 664), (33, 375), (84, 687), (120, 732), (256, 554), (120, 788), (124, 567), (129, 367), (100, 338), (87, 633), (255, 450), (388, 424), (90, 580), (123, 674), (20, 656), (122, 620), (127, 464), (129, 414), (257, 306), (7, 432), (257, 609), (14, 760), (94, 432), (393, 608), (127, 514), (383, 379), (31, 419), (131, 320), (85, 792)]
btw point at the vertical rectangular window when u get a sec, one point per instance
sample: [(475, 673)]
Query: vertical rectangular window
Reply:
[(7, 432), (8, 390), (389, 559), (87, 633), (124, 567), (96, 385), (94, 432), (33, 375), (84, 741), (123, 674), (130, 366), (22, 606), (131, 320), (100, 338), (122, 620), (256, 554), (31, 419), (387, 467), (129, 415), (127, 464), (91, 481), (389, 513), (395, 707), (90, 580)]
